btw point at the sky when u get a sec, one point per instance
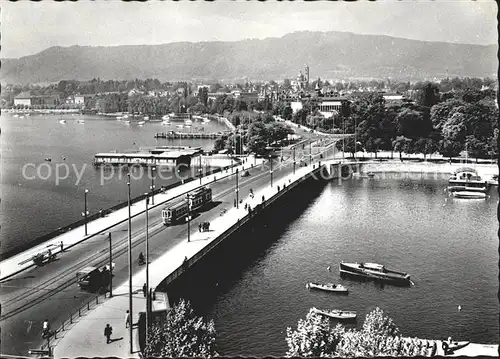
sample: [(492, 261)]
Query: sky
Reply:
[(30, 27)]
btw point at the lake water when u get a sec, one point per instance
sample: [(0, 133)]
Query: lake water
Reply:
[(34, 207), (449, 246)]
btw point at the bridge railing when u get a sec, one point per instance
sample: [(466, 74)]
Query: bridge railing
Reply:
[(241, 221)]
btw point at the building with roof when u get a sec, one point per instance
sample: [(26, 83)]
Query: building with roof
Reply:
[(23, 99), (168, 156), (26, 99)]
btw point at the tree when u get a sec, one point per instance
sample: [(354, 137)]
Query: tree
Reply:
[(427, 94), (441, 112), (411, 124), (181, 334), (277, 131), (379, 336), (402, 144), (450, 148), (220, 143)]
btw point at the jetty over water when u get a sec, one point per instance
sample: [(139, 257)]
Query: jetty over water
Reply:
[(180, 135)]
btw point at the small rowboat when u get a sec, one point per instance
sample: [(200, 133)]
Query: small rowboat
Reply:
[(328, 287), (335, 313)]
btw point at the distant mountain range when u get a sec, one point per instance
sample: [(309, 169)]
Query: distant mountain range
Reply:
[(331, 55)]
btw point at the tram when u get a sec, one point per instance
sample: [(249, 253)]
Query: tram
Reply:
[(196, 199)]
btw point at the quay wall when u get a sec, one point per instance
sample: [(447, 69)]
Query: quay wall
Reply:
[(486, 171), (228, 123)]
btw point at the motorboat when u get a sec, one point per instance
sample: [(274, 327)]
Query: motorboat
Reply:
[(146, 118), (328, 287), (62, 121), (467, 179), (454, 345), (335, 313), (375, 271), (470, 194), (80, 121), (141, 123)]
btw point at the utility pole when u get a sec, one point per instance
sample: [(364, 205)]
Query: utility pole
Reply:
[(130, 266), (237, 189), (188, 218), (293, 159), (310, 151)]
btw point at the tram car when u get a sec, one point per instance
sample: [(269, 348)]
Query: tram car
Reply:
[(179, 210)]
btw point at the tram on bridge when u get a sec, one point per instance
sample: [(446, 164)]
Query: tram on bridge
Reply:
[(196, 200)]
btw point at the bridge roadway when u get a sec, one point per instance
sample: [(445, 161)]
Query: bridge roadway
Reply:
[(50, 292)]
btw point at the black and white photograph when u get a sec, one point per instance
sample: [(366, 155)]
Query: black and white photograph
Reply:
[(244, 178)]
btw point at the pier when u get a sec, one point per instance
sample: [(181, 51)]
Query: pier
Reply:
[(181, 135)]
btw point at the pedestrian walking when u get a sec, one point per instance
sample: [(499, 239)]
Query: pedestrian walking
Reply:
[(234, 202), (62, 246), (263, 199), (199, 227), (127, 319), (145, 290), (45, 328), (108, 330)]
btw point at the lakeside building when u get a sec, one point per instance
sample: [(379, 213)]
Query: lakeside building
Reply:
[(26, 99), (169, 156)]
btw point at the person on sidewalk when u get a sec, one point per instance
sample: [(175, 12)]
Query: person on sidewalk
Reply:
[(62, 246), (45, 328), (127, 319), (145, 290), (108, 330)]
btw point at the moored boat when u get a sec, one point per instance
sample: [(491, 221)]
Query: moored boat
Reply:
[(470, 194), (335, 313), (328, 287), (467, 179), (375, 271)]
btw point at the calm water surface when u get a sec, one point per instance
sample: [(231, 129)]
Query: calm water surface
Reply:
[(449, 246), (34, 207)]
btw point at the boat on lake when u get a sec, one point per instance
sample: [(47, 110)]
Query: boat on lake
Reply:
[(141, 123), (470, 194), (467, 179), (62, 121), (375, 271), (328, 287), (335, 313)]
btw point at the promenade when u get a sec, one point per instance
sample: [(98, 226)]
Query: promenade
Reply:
[(86, 337), (23, 260)]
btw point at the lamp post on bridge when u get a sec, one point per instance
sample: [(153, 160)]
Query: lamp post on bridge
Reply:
[(188, 218), (153, 169), (146, 294), (130, 265), (237, 190), (271, 171), (85, 214)]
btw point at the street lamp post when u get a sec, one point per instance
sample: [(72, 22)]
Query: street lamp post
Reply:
[(237, 189), (152, 186), (200, 170), (86, 212), (293, 159), (188, 218), (310, 151), (146, 294), (271, 171), (130, 265), (110, 267)]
